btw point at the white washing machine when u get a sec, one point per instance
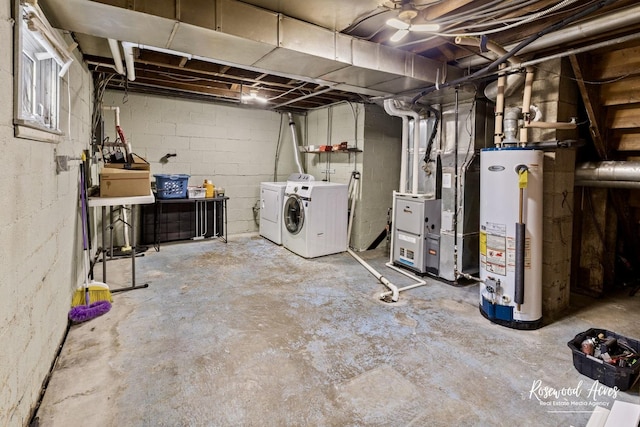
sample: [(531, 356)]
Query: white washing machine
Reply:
[(271, 200), (314, 217)]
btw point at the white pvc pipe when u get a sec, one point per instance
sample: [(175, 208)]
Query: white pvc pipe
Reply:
[(129, 60), (392, 110), (117, 114), (419, 282), (115, 53), (394, 291), (294, 140), (404, 155), (416, 151)]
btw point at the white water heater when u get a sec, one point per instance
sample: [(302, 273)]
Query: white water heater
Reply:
[(511, 236)]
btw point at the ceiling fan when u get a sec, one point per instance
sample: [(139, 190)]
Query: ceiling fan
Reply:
[(404, 22)]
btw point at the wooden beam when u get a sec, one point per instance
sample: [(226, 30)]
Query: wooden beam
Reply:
[(623, 117), (626, 141), (616, 63), (591, 99), (625, 91), (442, 8)]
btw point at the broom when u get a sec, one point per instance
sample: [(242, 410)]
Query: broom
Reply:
[(94, 291)]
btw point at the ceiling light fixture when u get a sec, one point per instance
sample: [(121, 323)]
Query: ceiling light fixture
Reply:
[(253, 97)]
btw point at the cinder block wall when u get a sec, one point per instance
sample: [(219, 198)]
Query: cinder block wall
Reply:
[(329, 126), (378, 136), (381, 174), (556, 96), (232, 146), (41, 239)]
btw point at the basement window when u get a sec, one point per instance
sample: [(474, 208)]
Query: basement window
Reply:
[(42, 59)]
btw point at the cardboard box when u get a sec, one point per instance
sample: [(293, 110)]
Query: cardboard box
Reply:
[(124, 182), (139, 163)]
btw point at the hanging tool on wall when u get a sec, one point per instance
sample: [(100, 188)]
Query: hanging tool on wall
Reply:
[(523, 176)]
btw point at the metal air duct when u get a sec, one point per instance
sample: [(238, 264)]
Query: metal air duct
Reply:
[(609, 174)]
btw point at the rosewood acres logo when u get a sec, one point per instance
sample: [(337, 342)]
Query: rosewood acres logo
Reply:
[(571, 399)]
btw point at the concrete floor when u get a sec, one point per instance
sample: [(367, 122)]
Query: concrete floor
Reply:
[(249, 334)]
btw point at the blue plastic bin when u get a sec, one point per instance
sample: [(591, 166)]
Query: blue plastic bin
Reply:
[(171, 186)]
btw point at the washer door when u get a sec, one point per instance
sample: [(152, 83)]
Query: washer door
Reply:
[(293, 214)]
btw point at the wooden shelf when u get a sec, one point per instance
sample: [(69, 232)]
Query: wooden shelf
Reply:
[(334, 151)]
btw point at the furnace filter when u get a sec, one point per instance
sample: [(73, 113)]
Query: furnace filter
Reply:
[(511, 236)]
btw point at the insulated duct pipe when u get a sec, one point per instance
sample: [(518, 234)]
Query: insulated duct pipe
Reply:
[(630, 185), (512, 83), (608, 171), (392, 110), (294, 139), (117, 58)]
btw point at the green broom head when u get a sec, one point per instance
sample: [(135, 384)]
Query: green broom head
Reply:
[(96, 293)]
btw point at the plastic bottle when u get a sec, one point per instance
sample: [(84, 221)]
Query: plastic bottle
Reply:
[(210, 189)]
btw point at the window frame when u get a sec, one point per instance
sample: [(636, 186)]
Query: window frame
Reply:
[(38, 127)]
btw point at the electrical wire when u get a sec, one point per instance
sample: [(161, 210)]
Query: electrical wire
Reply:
[(587, 82), (526, 20), (504, 58), (289, 91)]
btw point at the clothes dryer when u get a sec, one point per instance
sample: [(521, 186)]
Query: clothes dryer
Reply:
[(314, 217), (271, 201)]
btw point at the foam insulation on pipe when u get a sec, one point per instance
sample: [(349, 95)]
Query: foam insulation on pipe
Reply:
[(551, 125), (499, 99), (526, 103)]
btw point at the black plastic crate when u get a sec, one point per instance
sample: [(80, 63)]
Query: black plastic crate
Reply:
[(608, 374)]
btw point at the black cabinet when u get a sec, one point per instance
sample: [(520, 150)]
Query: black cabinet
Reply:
[(170, 220)]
